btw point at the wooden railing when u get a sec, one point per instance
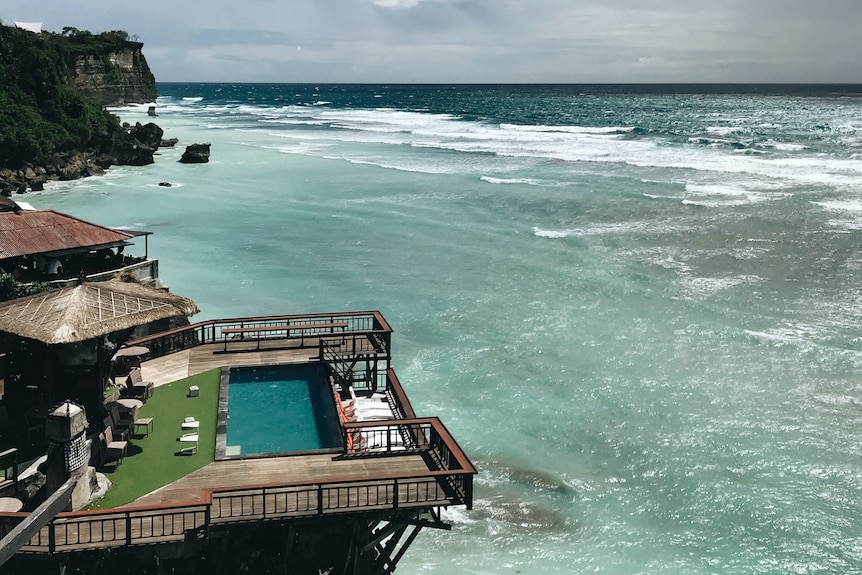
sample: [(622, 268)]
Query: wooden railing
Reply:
[(156, 524), (211, 331)]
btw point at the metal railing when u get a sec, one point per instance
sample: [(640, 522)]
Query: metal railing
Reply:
[(211, 331), (155, 524), (355, 361)]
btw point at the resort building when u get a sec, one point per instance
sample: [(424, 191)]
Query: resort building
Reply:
[(272, 444), (48, 246)]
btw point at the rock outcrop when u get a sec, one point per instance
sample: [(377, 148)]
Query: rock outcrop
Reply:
[(149, 134), (52, 95), (128, 146), (128, 151), (196, 154)]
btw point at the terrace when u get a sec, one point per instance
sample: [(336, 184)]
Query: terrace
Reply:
[(414, 466)]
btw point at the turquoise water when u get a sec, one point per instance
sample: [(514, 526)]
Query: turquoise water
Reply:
[(279, 410), (637, 309)]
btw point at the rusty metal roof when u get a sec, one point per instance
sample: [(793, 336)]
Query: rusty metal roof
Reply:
[(30, 232)]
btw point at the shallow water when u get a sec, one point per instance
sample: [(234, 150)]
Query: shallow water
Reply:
[(636, 310)]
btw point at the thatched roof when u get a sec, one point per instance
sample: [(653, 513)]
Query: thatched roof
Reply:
[(89, 310)]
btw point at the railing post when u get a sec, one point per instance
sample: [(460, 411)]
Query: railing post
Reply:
[(128, 528), (395, 494), (52, 537), (320, 499)]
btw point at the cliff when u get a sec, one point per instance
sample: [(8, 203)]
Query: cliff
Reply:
[(52, 91), (118, 77)]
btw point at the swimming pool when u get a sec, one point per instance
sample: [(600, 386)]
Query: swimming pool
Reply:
[(269, 410)]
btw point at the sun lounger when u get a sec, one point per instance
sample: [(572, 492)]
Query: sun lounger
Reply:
[(190, 423), (191, 438)]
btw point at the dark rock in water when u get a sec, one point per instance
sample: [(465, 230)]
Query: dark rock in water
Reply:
[(196, 154), (129, 151), (165, 184), (531, 477), (149, 134), (506, 508), (168, 143), (151, 111)]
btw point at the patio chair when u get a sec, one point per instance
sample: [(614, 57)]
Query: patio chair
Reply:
[(136, 387), (114, 450), (108, 423), (123, 423)]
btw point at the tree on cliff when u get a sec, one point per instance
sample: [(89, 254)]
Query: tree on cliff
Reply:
[(40, 113)]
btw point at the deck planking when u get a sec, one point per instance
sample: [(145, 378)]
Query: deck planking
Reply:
[(309, 469), (259, 471), (182, 364)]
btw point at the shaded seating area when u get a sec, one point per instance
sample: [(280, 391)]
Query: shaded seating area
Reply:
[(153, 457), (122, 424)]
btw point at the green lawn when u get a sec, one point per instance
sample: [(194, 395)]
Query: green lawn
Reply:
[(152, 461)]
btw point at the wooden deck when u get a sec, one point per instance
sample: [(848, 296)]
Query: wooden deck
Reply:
[(211, 356), (435, 473), (262, 471), (237, 473)]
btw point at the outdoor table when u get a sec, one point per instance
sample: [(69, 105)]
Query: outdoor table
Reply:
[(130, 403), (10, 504), (133, 351), (126, 358)]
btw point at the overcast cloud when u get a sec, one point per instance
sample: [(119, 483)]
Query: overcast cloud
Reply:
[(477, 41)]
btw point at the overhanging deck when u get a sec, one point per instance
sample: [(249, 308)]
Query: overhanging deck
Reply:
[(432, 472)]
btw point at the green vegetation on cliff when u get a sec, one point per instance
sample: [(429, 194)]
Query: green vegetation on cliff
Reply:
[(40, 113)]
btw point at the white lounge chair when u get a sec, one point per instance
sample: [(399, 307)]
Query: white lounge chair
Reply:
[(189, 438), (190, 423)]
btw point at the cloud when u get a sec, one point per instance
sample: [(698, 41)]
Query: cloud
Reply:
[(479, 40), (397, 3)]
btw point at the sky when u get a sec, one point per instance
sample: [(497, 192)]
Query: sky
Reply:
[(477, 41)]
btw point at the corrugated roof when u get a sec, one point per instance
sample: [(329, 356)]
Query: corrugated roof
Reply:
[(30, 232)]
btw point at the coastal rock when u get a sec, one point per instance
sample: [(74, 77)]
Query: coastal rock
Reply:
[(196, 154), (73, 165), (168, 143), (128, 151), (148, 134)]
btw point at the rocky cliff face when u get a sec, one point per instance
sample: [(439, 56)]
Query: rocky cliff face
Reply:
[(120, 77)]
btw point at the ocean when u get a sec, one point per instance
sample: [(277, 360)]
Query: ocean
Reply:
[(636, 307)]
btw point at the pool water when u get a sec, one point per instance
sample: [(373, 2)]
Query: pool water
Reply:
[(279, 409)]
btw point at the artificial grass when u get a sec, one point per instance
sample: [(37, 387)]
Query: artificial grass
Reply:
[(152, 461)]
